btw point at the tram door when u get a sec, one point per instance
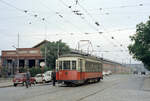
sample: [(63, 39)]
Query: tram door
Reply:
[(81, 69)]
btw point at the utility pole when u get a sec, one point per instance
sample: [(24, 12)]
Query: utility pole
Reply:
[(58, 50), (45, 43), (17, 51), (45, 53)]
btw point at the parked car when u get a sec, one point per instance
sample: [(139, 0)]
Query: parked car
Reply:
[(20, 78), (135, 72), (39, 78), (143, 73), (109, 72), (104, 73), (47, 76)]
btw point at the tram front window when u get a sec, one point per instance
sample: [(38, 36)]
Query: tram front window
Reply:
[(73, 65), (60, 65), (66, 65)]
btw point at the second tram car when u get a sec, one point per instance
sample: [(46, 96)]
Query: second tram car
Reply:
[(78, 69)]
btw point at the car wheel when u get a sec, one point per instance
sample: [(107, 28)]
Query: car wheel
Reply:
[(15, 84)]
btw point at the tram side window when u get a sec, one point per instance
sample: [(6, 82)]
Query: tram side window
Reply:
[(73, 65), (101, 67), (60, 65), (86, 66), (66, 65), (98, 66), (81, 64)]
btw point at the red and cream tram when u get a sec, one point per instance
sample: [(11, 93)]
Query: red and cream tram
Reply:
[(78, 69)]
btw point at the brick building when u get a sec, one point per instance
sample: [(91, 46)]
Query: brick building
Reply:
[(22, 57)]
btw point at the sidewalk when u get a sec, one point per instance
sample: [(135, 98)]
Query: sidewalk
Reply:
[(146, 83), (5, 82)]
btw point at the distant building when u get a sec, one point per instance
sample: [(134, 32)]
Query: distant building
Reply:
[(22, 57), (137, 67)]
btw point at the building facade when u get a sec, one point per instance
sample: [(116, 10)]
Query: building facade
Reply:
[(22, 58)]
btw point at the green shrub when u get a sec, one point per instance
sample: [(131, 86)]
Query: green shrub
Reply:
[(22, 69), (4, 72)]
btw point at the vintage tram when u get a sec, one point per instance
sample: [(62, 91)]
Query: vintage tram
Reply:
[(78, 69)]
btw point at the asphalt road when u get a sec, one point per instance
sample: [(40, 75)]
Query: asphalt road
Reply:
[(112, 88)]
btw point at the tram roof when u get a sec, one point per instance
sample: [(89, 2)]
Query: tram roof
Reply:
[(91, 57), (82, 56)]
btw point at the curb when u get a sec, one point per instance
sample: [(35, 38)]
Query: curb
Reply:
[(6, 86)]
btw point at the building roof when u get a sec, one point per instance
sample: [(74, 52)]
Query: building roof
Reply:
[(40, 44)]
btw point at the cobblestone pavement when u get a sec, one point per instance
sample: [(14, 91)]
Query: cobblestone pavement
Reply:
[(112, 88)]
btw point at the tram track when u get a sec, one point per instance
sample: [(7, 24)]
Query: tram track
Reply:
[(98, 91), (99, 87), (41, 93)]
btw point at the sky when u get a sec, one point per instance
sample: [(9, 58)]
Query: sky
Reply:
[(105, 24)]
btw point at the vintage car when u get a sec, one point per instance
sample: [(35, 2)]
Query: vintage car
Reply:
[(43, 78), (20, 78)]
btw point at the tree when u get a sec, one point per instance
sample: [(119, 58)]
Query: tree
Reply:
[(140, 49), (53, 50)]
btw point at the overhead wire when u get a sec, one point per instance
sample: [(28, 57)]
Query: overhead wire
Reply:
[(105, 30), (95, 21), (90, 24), (58, 14), (103, 27), (28, 12), (98, 24), (122, 6), (77, 14)]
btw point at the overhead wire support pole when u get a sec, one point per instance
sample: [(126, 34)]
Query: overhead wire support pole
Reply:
[(17, 50), (45, 37)]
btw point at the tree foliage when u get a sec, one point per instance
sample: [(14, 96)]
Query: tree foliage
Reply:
[(52, 51), (140, 49)]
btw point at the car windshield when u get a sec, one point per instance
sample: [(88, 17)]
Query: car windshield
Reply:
[(38, 75)]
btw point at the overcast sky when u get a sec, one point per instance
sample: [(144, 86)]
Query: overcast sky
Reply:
[(36, 20)]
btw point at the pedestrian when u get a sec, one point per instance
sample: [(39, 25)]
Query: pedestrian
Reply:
[(53, 76), (28, 75)]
